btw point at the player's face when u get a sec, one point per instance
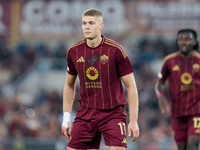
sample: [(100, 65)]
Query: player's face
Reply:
[(186, 41), (91, 27)]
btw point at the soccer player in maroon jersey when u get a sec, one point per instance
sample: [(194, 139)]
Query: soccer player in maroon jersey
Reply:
[(101, 65), (182, 68)]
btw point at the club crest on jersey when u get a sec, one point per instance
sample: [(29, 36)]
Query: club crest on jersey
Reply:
[(104, 59), (196, 67), (92, 73)]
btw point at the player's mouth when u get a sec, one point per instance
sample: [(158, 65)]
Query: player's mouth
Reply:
[(184, 47), (87, 33)]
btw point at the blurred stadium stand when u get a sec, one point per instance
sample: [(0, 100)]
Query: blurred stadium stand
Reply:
[(34, 38)]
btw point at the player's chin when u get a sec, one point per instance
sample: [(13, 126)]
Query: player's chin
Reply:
[(89, 37), (184, 52)]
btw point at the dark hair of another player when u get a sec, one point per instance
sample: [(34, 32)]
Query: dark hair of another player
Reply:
[(196, 47)]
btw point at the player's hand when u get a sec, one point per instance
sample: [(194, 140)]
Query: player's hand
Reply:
[(163, 104), (133, 128), (67, 129)]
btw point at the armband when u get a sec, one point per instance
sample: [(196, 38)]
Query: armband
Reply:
[(66, 118), (159, 94)]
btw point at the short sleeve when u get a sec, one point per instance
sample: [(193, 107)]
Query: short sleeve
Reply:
[(123, 64), (164, 73), (70, 65)]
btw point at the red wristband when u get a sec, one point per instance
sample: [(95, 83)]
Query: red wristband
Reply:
[(159, 94)]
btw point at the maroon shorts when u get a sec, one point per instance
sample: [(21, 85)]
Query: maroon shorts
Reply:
[(90, 124), (185, 126)]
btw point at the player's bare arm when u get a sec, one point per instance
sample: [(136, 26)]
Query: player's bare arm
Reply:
[(162, 100), (68, 98), (129, 82)]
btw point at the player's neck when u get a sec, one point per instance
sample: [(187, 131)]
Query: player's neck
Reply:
[(94, 42)]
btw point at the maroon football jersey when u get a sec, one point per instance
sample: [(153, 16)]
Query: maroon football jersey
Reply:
[(184, 83), (99, 70)]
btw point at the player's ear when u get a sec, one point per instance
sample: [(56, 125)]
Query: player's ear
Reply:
[(102, 25)]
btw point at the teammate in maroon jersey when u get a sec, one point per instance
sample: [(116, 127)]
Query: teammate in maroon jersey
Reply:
[(101, 64), (182, 68)]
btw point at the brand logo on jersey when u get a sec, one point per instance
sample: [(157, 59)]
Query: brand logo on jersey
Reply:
[(104, 59), (92, 73), (176, 68), (81, 59), (186, 78), (124, 141), (196, 67)]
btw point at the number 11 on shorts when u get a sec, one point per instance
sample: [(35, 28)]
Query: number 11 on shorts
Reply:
[(122, 128)]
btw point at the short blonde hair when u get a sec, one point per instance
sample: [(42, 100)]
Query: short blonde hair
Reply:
[(94, 12)]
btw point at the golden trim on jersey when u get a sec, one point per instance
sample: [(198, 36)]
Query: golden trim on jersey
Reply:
[(108, 66), (196, 54), (115, 44), (103, 39), (76, 44), (170, 56), (100, 76)]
